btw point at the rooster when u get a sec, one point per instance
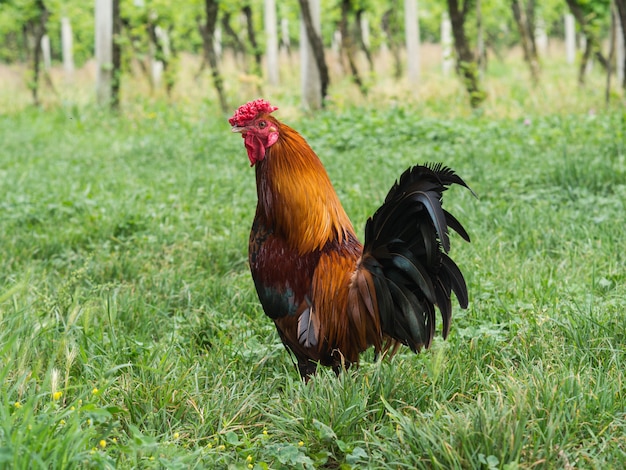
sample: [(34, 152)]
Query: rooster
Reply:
[(331, 297)]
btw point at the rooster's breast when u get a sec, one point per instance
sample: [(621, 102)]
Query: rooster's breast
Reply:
[(281, 275)]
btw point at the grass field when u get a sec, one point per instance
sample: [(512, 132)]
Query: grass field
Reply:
[(131, 335)]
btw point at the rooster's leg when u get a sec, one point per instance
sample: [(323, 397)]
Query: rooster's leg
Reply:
[(307, 368)]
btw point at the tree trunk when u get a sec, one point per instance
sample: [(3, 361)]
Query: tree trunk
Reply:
[(170, 76), (27, 33), (532, 28), (207, 31), (523, 26), (285, 41), (480, 40), (612, 34), (163, 54), (362, 29), (134, 41), (240, 49), (466, 63), (348, 46), (247, 11), (621, 10), (39, 30), (584, 61), (116, 58), (317, 47), (390, 25), (593, 43)]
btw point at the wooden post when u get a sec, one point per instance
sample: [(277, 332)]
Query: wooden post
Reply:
[(412, 32), (217, 42), (310, 74), (116, 56), (619, 50), (160, 41), (570, 38), (541, 38), (284, 33), (365, 27), (480, 41), (446, 45), (156, 69), (612, 36), (271, 31), (104, 50), (67, 48), (164, 41), (45, 52), (583, 46), (589, 63), (335, 44)]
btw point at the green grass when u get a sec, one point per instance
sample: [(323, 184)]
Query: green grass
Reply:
[(124, 286)]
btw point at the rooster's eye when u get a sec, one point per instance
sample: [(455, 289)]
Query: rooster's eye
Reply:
[(262, 124)]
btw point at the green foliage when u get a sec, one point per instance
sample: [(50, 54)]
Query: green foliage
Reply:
[(81, 16), (597, 15), (15, 15), (180, 19), (131, 336)]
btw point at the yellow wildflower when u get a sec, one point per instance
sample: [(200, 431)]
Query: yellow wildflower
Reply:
[(103, 443), (221, 447), (57, 395), (249, 458), (17, 404), (95, 391), (176, 435), (300, 444)]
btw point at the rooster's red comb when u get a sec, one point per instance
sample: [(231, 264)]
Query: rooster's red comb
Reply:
[(249, 111)]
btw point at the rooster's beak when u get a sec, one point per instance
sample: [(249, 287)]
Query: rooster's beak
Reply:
[(238, 129)]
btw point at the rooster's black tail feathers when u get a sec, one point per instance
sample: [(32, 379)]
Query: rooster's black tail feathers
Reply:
[(405, 251)]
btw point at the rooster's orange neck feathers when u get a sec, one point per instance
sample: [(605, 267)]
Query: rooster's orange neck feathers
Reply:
[(296, 197)]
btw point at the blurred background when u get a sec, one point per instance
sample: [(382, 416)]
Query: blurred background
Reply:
[(502, 57)]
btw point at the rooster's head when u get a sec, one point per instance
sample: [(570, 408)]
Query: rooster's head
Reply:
[(258, 129)]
